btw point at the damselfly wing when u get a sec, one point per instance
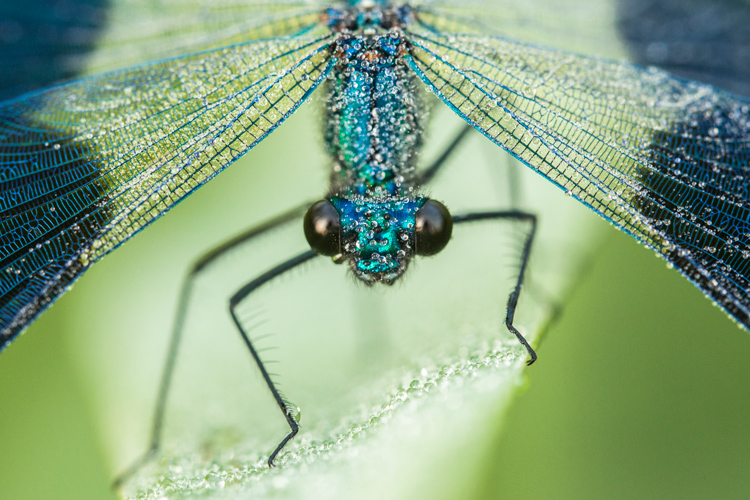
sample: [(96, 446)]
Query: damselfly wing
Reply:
[(89, 163)]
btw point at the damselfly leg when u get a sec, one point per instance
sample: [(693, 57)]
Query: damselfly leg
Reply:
[(200, 266), (286, 408)]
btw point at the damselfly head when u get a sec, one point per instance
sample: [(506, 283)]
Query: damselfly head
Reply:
[(378, 238)]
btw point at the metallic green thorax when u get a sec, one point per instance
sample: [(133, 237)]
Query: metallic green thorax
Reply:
[(375, 115), (373, 131)]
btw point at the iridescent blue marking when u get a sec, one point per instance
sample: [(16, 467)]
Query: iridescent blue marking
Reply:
[(377, 237)]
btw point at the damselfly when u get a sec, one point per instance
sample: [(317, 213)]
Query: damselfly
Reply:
[(90, 163)]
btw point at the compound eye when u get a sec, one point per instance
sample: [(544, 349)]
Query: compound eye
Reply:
[(434, 228), (323, 228)]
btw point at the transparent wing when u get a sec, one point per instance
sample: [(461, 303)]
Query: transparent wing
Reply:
[(664, 159), (574, 25), (143, 30), (47, 41), (86, 165), (701, 39)]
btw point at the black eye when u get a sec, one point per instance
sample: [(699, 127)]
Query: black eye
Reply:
[(434, 228), (323, 228)]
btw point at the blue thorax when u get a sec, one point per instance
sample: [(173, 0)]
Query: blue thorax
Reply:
[(374, 130)]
